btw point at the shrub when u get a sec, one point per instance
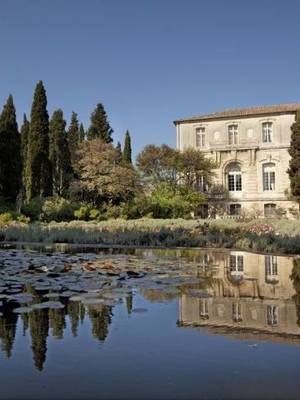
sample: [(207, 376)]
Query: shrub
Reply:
[(83, 212), (58, 209), (6, 218), (33, 208), (23, 219)]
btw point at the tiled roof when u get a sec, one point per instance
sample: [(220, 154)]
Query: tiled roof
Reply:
[(244, 112)]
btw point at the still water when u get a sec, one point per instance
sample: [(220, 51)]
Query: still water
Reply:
[(148, 324)]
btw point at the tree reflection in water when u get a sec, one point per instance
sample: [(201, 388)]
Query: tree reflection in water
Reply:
[(295, 277), (38, 322)]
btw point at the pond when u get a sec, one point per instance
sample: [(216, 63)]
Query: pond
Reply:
[(92, 323)]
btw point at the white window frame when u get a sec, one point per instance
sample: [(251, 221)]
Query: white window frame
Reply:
[(200, 137), (234, 179), (233, 134), (267, 132), (269, 177)]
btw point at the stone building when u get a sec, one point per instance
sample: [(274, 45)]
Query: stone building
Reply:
[(250, 148)]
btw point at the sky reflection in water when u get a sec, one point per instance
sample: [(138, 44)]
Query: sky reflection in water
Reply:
[(213, 324)]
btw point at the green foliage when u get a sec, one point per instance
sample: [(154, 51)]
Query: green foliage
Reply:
[(101, 179), (57, 209), (127, 152), (83, 213), (73, 136), (165, 202), (39, 179), (59, 155), (6, 218), (294, 150), (33, 208), (100, 127), (81, 133), (10, 150), (119, 153), (160, 164), (25, 131)]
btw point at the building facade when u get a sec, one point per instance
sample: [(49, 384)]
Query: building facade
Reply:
[(250, 149)]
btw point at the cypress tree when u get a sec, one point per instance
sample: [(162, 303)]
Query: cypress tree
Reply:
[(81, 133), (10, 160), (100, 127), (73, 136), (25, 131), (39, 166), (294, 150), (119, 152), (127, 149), (59, 154)]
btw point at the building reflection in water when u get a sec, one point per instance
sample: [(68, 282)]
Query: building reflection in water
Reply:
[(247, 293)]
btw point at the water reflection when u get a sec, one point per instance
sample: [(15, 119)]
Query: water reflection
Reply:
[(247, 294), (234, 293), (40, 323)]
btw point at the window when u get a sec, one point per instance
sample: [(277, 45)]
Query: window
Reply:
[(235, 209), (271, 270), (270, 210), (272, 315), (233, 134), (234, 178), (269, 176), (201, 184), (236, 263), (267, 132), (200, 137)]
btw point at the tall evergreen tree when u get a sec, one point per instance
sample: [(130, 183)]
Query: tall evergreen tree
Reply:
[(294, 150), (25, 131), (73, 136), (10, 150), (119, 152), (59, 154), (100, 127), (39, 166), (81, 133), (127, 152)]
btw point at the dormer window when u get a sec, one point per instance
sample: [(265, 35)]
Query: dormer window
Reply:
[(267, 132), (200, 137), (233, 134)]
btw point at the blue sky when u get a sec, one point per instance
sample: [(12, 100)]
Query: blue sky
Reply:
[(149, 61)]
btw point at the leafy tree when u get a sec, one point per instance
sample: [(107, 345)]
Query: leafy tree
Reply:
[(10, 148), (59, 154), (164, 164), (294, 150), (127, 152), (39, 166), (100, 127), (103, 179), (81, 133), (73, 136), (25, 131), (158, 164)]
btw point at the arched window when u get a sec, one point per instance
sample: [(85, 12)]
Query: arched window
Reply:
[(269, 176), (233, 134), (267, 132), (234, 178)]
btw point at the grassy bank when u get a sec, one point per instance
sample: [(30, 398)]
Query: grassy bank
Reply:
[(272, 236)]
